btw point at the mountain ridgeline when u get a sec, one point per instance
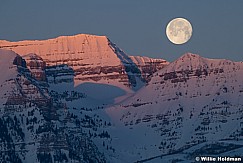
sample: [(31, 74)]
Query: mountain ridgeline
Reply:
[(83, 99)]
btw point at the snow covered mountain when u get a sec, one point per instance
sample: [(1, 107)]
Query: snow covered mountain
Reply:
[(55, 97), (192, 106), (34, 126), (93, 59), (82, 99)]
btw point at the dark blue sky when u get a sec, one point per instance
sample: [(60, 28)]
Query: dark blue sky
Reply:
[(136, 26)]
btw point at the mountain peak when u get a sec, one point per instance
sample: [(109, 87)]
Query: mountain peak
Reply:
[(190, 56), (188, 61), (72, 49), (88, 36)]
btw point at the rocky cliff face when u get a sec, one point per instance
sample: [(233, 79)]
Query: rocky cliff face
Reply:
[(92, 58), (36, 65)]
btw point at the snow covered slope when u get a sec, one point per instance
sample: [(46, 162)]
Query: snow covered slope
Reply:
[(36, 126), (7, 71), (192, 101)]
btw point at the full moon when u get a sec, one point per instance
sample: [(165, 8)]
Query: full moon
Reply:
[(179, 31)]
